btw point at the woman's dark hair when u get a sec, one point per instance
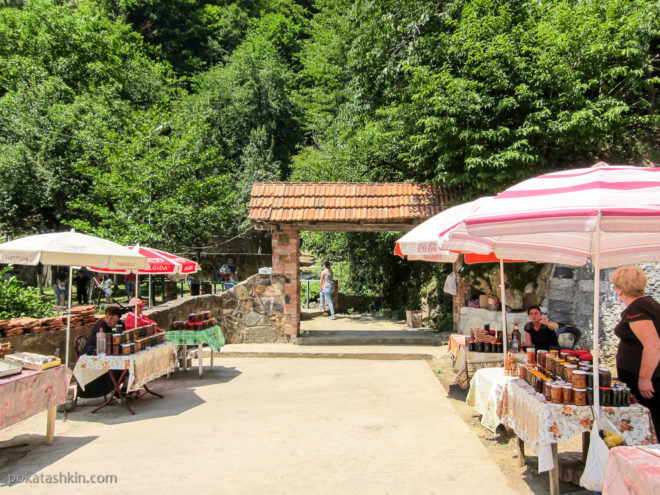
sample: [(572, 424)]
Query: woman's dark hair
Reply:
[(114, 311), (326, 264), (533, 307)]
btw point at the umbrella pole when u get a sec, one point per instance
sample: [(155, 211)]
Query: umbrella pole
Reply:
[(596, 343), (68, 319), (503, 302), (137, 286)]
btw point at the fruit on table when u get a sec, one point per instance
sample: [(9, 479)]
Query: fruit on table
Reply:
[(611, 438)]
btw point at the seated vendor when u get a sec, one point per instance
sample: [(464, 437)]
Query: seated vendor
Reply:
[(142, 321), (107, 323), (103, 384), (540, 332)]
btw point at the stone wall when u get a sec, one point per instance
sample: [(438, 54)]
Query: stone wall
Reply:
[(48, 343), (570, 300), (251, 312)]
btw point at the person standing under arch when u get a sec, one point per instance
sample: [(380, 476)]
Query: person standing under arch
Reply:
[(327, 285)]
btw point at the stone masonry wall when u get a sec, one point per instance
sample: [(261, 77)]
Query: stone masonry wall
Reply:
[(250, 312), (570, 300)]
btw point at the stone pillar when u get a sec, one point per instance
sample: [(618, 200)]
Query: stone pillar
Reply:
[(286, 246)]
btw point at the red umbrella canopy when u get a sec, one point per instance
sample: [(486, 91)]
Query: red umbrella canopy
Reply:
[(159, 262)]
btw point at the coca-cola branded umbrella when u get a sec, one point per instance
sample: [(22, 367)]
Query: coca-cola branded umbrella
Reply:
[(443, 237), (158, 263), (70, 249), (607, 214)]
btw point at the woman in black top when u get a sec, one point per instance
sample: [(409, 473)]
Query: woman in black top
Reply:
[(540, 331), (638, 354)]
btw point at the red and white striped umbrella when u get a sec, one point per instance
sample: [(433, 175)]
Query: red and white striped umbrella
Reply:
[(568, 217), (607, 214), (159, 262)]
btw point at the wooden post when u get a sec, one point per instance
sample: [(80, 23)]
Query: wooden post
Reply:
[(521, 453), (201, 360), (554, 472), (50, 425), (586, 440)]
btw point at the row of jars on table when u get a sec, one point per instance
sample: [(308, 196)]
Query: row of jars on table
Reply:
[(196, 321), (479, 346), (134, 340), (564, 379)]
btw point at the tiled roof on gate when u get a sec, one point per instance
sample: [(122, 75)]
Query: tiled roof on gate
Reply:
[(345, 202)]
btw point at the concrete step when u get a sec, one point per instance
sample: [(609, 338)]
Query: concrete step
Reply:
[(311, 313), (371, 337)]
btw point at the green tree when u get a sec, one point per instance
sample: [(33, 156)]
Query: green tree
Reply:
[(17, 300), (69, 79)]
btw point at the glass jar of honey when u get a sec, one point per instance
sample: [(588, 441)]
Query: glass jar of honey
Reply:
[(556, 393), (579, 379), (580, 396), (531, 356)]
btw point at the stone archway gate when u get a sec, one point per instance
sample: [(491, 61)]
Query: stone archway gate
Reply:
[(286, 208)]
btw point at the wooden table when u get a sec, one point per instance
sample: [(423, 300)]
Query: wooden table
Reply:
[(137, 370), (29, 393), (543, 425)]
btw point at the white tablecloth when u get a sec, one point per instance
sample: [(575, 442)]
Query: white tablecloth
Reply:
[(540, 423), (143, 366), (486, 389)]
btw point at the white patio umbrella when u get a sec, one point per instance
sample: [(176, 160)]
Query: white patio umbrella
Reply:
[(443, 237), (69, 249), (607, 214)]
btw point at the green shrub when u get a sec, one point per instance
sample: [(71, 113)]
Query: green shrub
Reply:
[(314, 291), (18, 300)]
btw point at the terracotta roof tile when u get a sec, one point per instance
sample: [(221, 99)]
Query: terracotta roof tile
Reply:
[(380, 203)]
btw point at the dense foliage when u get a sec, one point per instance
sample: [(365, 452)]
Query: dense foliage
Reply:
[(16, 299), (148, 120)]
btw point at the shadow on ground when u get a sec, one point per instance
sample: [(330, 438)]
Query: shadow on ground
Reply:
[(179, 391), (12, 451)]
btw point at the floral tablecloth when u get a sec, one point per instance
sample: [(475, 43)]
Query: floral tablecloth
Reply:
[(31, 392), (466, 363), (486, 389), (633, 470), (211, 336), (540, 423), (143, 366)]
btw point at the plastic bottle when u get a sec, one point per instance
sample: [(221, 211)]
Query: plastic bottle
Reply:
[(100, 343), (514, 343), (516, 334)]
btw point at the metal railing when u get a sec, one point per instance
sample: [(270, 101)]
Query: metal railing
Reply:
[(307, 291)]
